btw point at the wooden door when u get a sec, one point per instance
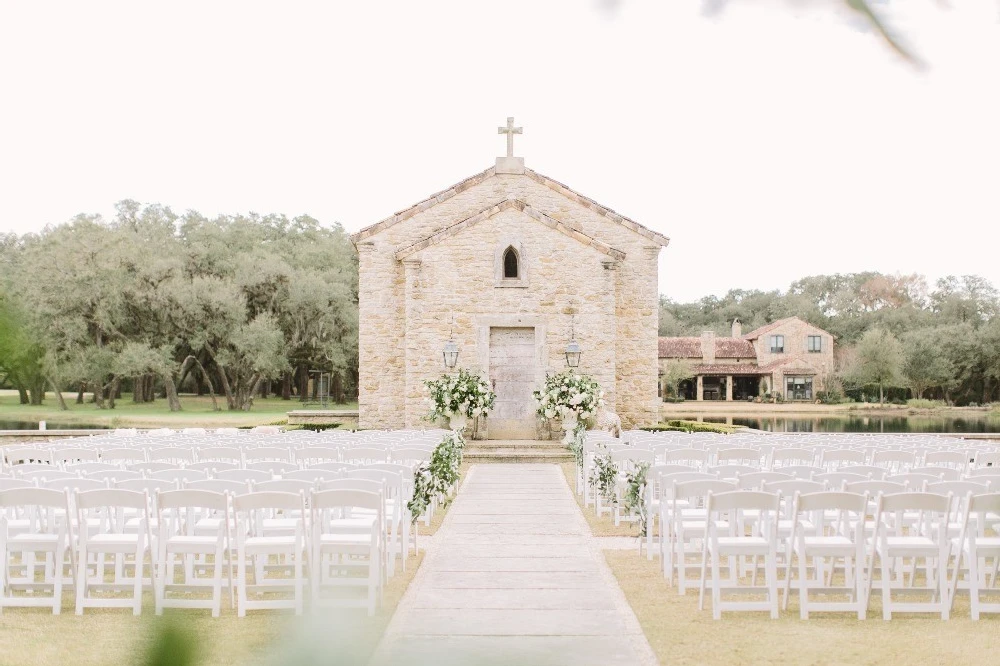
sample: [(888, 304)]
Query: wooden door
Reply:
[(512, 370)]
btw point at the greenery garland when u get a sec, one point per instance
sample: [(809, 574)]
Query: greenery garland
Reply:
[(576, 443), (438, 476), (605, 477), (635, 494)]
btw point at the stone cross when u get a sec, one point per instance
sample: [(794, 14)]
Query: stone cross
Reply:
[(510, 131)]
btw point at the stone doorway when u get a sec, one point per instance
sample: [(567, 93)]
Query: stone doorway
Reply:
[(512, 372)]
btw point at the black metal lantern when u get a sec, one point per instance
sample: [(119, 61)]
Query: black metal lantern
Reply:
[(573, 350), (450, 354)]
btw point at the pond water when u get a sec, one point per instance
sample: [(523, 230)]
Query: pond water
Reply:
[(855, 423), (33, 425)]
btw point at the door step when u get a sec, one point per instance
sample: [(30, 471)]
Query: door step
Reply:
[(517, 451)]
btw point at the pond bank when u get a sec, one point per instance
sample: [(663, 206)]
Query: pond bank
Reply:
[(689, 408)]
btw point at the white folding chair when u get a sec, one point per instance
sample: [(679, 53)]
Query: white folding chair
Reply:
[(348, 548), (725, 541), (30, 525), (111, 508), (255, 547), (828, 541), (686, 523), (179, 513), (975, 548), (924, 537)]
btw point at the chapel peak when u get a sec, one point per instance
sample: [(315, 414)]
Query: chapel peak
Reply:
[(508, 163)]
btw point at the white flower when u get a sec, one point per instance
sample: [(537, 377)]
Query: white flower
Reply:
[(549, 413)]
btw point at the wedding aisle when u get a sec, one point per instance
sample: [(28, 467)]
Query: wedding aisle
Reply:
[(514, 577)]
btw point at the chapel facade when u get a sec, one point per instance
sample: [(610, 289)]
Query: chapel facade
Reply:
[(509, 265)]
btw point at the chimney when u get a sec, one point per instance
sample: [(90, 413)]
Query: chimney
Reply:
[(737, 328), (708, 347)]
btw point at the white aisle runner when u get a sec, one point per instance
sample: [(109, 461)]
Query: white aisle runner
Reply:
[(514, 577)]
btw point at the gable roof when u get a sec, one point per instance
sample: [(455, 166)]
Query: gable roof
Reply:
[(756, 333), (690, 347), (507, 204), (476, 179)]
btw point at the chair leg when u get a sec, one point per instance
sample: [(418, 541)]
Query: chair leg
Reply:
[(241, 584), (886, 588), (81, 581), (973, 581), (803, 586), (771, 573), (717, 585), (58, 558), (217, 582), (137, 585), (701, 586)]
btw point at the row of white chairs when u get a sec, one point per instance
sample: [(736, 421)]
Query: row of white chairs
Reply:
[(211, 457), (833, 547), (109, 544)]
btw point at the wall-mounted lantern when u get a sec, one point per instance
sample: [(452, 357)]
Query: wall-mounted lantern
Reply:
[(573, 350), (450, 352)]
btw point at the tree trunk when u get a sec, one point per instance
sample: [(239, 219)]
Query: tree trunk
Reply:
[(246, 401), (79, 394), (22, 395), (338, 389), (138, 389), (226, 388), (881, 394), (286, 386), (59, 396), (204, 378), (115, 392), (172, 400), (303, 383), (36, 394)]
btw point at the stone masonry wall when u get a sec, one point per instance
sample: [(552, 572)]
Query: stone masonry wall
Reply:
[(457, 278), (796, 352), (617, 300)]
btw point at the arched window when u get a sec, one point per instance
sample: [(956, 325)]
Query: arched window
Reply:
[(511, 269)]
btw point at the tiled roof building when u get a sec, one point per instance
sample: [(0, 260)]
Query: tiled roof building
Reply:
[(788, 357)]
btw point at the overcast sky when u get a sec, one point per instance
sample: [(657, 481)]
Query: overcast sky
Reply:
[(770, 141)]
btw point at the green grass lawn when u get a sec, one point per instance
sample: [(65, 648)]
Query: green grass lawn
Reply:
[(195, 412)]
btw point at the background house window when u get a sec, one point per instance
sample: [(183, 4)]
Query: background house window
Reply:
[(814, 343), (799, 388), (777, 344), (510, 264)]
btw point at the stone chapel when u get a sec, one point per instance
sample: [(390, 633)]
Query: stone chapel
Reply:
[(510, 266)]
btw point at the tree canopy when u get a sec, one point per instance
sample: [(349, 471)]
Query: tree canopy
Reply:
[(154, 298)]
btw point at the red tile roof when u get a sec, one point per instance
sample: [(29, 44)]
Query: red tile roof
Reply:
[(680, 347), (734, 348), (691, 348)]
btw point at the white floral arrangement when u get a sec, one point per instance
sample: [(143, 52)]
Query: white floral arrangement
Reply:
[(465, 393), (569, 393)]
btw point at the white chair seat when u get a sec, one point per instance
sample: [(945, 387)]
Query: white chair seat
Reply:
[(270, 542)]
